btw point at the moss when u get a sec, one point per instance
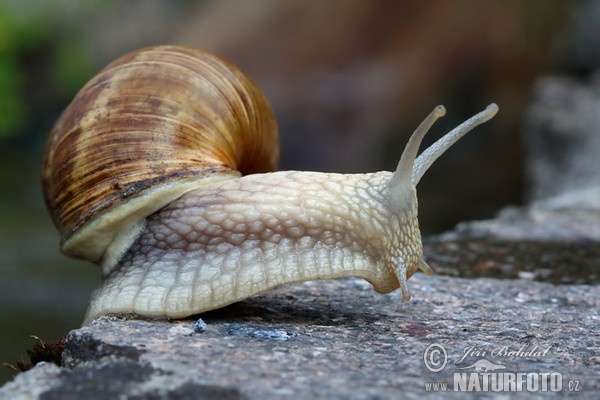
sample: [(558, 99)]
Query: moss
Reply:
[(41, 351)]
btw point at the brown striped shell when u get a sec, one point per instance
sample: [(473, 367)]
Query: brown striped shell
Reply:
[(150, 126)]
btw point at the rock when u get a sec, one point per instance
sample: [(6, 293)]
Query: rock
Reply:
[(109, 378), (534, 223), (562, 169), (333, 339), (33, 383), (561, 136)]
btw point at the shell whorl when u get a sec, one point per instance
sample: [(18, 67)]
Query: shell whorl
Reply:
[(159, 122)]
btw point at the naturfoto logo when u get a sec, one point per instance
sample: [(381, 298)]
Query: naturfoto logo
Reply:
[(481, 374)]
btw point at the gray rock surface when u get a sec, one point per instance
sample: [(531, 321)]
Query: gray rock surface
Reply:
[(562, 139), (334, 339), (562, 169), (534, 223)]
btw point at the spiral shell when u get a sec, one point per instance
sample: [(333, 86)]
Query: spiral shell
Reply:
[(150, 126)]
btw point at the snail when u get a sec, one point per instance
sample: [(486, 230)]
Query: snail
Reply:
[(161, 171)]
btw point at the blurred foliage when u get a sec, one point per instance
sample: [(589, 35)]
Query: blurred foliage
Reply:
[(73, 67), (31, 32), (16, 36)]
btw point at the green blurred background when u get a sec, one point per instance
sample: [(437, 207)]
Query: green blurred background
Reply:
[(348, 80)]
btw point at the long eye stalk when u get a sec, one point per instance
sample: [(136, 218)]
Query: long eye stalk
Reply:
[(399, 186), (427, 158)]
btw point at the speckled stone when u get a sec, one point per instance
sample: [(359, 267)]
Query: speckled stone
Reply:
[(337, 339)]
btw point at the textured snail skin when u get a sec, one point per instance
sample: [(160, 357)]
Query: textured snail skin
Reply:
[(241, 237), (233, 239)]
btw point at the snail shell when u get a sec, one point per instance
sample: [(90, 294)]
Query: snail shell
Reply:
[(149, 127), (157, 171)]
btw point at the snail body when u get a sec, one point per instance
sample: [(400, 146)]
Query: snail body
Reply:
[(159, 170)]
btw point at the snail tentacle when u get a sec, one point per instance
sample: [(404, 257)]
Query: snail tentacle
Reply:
[(432, 153), (400, 185)]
